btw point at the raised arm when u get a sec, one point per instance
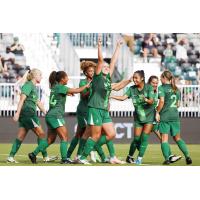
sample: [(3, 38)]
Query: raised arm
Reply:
[(78, 90), (19, 107), (120, 98), (120, 85), (115, 57), (100, 57)]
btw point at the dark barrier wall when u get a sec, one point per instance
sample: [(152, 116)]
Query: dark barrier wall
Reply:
[(190, 130)]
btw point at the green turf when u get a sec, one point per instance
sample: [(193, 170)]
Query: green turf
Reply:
[(152, 157)]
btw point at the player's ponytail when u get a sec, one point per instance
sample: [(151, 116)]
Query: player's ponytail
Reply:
[(169, 76), (32, 74), (173, 83), (52, 79), (56, 77)]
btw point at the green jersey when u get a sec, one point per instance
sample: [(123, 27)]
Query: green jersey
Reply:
[(29, 106), (83, 103), (169, 111), (57, 101), (101, 89), (144, 112)]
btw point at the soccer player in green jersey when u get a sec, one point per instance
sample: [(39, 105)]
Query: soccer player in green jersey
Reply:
[(153, 80), (98, 115), (55, 116), (27, 117), (88, 68), (142, 96), (168, 116)]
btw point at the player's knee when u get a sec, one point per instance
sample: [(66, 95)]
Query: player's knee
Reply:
[(176, 138), (111, 136)]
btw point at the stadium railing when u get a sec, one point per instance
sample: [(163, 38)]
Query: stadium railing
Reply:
[(9, 97)]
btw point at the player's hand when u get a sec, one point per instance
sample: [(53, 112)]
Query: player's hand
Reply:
[(157, 117), (70, 94), (88, 85), (99, 39), (119, 42), (16, 117), (131, 79)]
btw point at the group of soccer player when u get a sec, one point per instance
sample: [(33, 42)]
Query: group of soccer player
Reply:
[(156, 110)]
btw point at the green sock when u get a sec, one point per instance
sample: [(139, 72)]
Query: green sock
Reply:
[(165, 150), (89, 146), (182, 146), (72, 146), (81, 146), (63, 149), (44, 153), (41, 147), (100, 152), (170, 152), (144, 144), (102, 140), (134, 144), (111, 148), (138, 145), (15, 147)]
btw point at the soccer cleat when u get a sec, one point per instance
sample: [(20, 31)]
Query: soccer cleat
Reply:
[(106, 160), (50, 159), (82, 161), (115, 160), (138, 162), (130, 159), (32, 157), (77, 157), (11, 160), (93, 156), (166, 162), (174, 158), (67, 161), (188, 161)]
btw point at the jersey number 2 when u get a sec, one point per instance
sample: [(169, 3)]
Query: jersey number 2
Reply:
[(173, 105)]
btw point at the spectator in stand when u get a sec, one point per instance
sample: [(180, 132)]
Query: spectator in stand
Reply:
[(168, 54), (149, 45), (3, 68), (7, 57), (17, 48), (181, 51), (129, 40)]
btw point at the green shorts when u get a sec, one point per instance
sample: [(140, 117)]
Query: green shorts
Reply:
[(172, 128), (98, 117), (138, 124), (54, 123), (82, 120), (29, 122)]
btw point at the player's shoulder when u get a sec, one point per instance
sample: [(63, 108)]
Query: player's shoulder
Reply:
[(148, 86), (83, 81), (28, 84)]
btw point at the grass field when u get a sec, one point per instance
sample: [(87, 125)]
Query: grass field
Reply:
[(153, 156)]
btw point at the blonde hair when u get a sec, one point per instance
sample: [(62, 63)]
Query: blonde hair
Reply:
[(86, 64), (169, 76), (32, 74)]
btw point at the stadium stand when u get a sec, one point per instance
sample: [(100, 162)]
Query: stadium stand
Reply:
[(56, 51)]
